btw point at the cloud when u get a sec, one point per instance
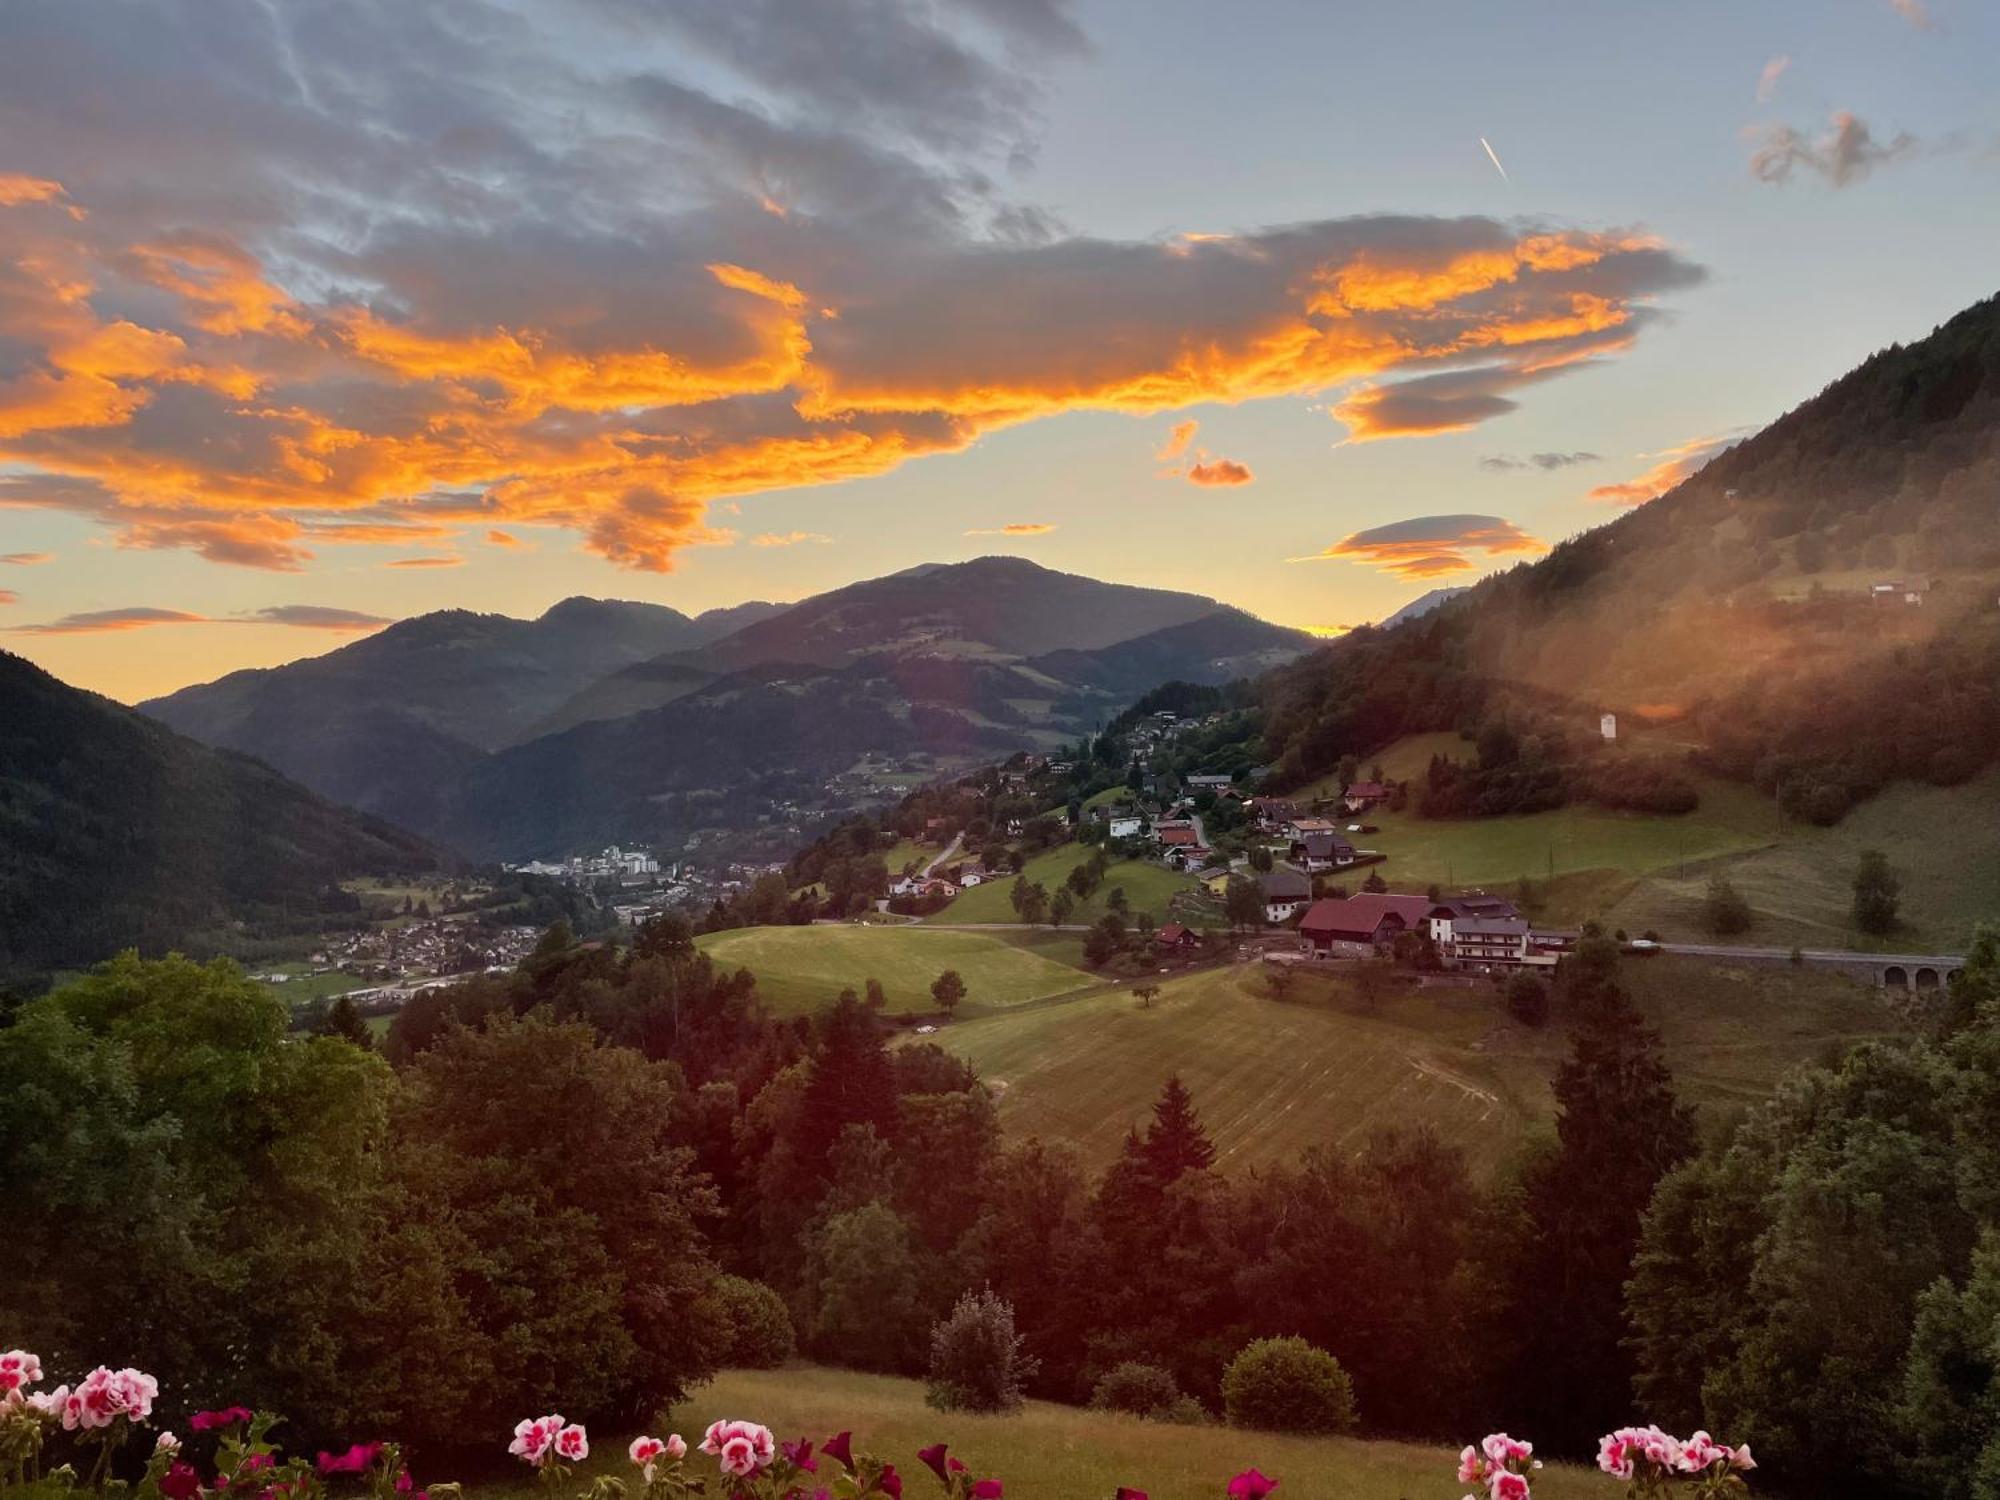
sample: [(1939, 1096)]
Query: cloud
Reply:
[(1177, 441), (1430, 546), (27, 559), (1673, 465), (787, 538), (499, 538), (104, 621), (316, 617), (1767, 80), (449, 561), (1015, 528), (1501, 463), (367, 269), (1913, 11), (1220, 471), (8, 596), (1844, 153)]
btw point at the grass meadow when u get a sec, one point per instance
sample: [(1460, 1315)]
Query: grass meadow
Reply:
[(1148, 887)]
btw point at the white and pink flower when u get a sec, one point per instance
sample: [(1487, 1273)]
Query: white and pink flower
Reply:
[(742, 1448), (573, 1443), (106, 1395), (18, 1368), (534, 1438), (166, 1442)]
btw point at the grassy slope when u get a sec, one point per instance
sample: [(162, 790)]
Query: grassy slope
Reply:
[(1066, 1453), (803, 969), (1272, 1078), (1945, 843), (1148, 887)]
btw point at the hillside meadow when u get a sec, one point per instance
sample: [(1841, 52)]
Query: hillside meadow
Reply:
[(1148, 887), (1273, 1077), (804, 969), (1051, 1452)]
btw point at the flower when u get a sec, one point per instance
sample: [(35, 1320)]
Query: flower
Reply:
[(934, 1457), (742, 1448), (1130, 1494), (840, 1446), (985, 1489), (677, 1447), (891, 1483), (534, 1437), (106, 1395), (1501, 1449), (1471, 1467), (18, 1368), (1250, 1485), (180, 1482), (356, 1460), (800, 1455), (573, 1443), (1741, 1458), (738, 1457), (1507, 1485), (643, 1451), (228, 1416), (51, 1403), (166, 1442)]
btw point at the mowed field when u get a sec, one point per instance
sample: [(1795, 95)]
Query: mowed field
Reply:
[(1272, 1077), (1147, 887), (804, 969)]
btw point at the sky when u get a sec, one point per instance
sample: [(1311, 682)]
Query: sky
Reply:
[(318, 315)]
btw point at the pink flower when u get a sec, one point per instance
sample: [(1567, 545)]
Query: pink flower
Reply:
[(891, 1482), (1471, 1467), (1507, 1485), (51, 1403), (840, 1446), (204, 1421), (1129, 1494), (1741, 1458), (735, 1443), (738, 1457), (356, 1460), (934, 1457), (166, 1442), (180, 1482), (1501, 1449), (1250, 1485), (106, 1395), (534, 1437), (644, 1450), (677, 1447), (1701, 1452), (573, 1443), (985, 1489), (18, 1368), (800, 1456)]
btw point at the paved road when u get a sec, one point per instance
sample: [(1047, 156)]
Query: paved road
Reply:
[(949, 850), (1812, 955)]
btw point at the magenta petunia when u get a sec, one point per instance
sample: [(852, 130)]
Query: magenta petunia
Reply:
[(180, 1482), (985, 1489), (1251, 1485), (1130, 1494), (800, 1455), (840, 1446), (934, 1457), (356, 1460), (891, 1483), (228, 1416)]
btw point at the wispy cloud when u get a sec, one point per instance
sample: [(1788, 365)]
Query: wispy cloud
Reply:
[(1767, 79), (27, 559), (8, 596), (316, 617), (448, 561), (1220, 471), (1177, 441), (1015, 528), (499, 538), (1913, 11), (1197, 465), (1502, 463), (1841, 155), (1670, 467), (1430, 546), (105, 621), (787, 538)]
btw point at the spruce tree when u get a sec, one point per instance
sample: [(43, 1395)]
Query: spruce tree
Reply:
[(1175, 1141)]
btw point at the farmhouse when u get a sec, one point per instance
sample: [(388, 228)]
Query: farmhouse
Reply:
[(1178, 835), (1287, 892), (1177, 937), (1454, 909), (1273, 812), (1360, 925), (1125, 825), (1319, 852), (1363, 795), (1208, 783)]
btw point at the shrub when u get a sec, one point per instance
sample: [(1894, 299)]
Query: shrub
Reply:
[(1287, 1385), (1143, 1390), (976, 1358), (754, 1324), (1528, 1000)]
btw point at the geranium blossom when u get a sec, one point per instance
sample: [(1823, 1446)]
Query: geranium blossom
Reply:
[(180, 1482), (573, 1443), (106, 1395), (18, 1368), (534, 1437)]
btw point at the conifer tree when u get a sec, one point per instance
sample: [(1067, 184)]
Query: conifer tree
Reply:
[(1175, 1141)]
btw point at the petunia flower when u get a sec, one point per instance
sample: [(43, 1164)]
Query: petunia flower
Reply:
[(840, 1446), (356, 1460), (228, 1416), (934, 1457), (1251, 1485)]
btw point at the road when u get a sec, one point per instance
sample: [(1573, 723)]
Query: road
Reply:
[(1812, 955), (949, 850)]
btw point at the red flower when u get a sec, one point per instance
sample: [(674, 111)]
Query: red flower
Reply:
[(934, 1456), (986, 1489), (1130, 1494), (1250, 1485), (180, 1482), (891, 1482), (355, 1460), (800, 1454), (228, 1416), (842, 1448)]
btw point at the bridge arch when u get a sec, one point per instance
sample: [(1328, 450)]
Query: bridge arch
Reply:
[(1925, 979), (1896, 977)]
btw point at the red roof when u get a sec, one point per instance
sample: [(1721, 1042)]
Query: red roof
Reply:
[(1367, 789), (1358, 918), (1182, 836), (1172, 933)]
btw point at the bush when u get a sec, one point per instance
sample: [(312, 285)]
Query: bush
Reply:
[(1287, 1385), (1143, 1390), (1528, 1000), (754, 1326), (976, 1358)]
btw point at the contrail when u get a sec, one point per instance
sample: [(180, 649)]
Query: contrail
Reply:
[(1496, 159)]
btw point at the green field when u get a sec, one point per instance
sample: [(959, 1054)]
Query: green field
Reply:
[(1148, 887), (1944, 842), (1274, 1077), (804, 969)]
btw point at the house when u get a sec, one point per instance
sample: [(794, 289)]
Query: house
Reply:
[(1273, 812), (1177, 835), (1453, 909), (1287, 890), (1359, 926), (1320, 852), (1126, 825), (1489, 943), (1190, 856), (1298, 828), (1217, 881), (1177, 937), (1363, 795), (1207, 783)]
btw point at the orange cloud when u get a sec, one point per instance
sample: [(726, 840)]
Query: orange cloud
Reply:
[(1015, 528), (27, 559), (233, 409), (425, 562), (787, 538), (1430, 546), (105, 621), (8, 596), (142, 617), (500, 538), (1220, 471), (1674, 465)]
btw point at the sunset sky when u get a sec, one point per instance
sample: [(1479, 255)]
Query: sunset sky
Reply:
[(316, 315)]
